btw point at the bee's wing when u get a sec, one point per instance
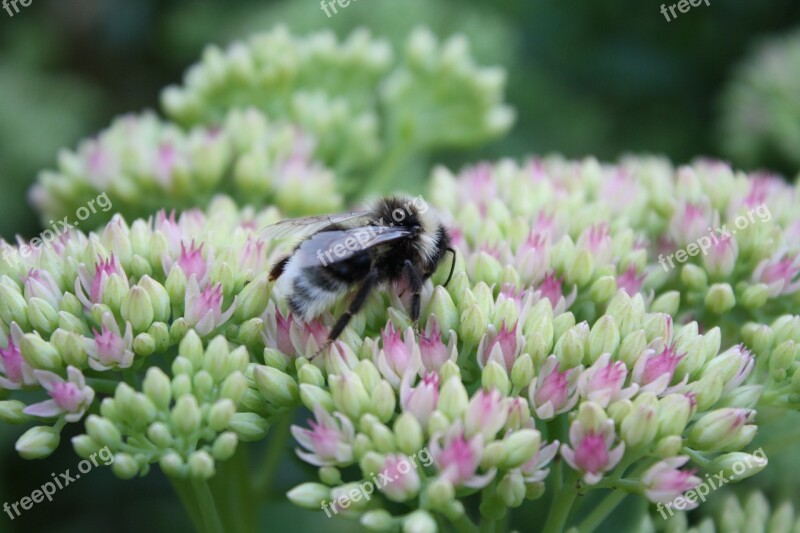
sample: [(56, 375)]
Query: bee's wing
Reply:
[(300, 228), (328, 247)]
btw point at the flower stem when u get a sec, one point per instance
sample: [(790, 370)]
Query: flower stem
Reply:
[(463, 524), (560, 508), (277, 447), (108, 386), (185, 494), (207, 506), (600, 512)]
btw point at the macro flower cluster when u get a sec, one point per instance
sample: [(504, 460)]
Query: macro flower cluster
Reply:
[(572, 351)]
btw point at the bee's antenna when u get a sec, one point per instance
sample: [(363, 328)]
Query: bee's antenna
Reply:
[(452, 265)]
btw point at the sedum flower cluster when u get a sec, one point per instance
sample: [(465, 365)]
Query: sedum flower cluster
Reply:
[(608, 327), (143, 163), (759, 124)]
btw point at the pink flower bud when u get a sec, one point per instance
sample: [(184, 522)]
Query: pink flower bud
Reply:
[(329, 441), (591, 452), (458, 458), (403, 478), (501, 346), (486, 414), (663, 482), (602, 382), (654, 372), (433, 352), (70, 397), (554, 392), (421, 400)]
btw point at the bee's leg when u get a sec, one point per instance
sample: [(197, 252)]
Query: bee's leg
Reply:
[(278, 269), (415, 286), (355, 306)]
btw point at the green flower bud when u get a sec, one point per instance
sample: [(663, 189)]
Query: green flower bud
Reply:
[(667, 303), (707, 391), (378, 520), (674, 412), (38, 442), (408, 433), (562, 323), (781, 358), (371, 462), (11, 412), (249, 426), (473, 325), (220, 414), (519, 447), (176, 287), (234, 387), (657, 326), (493, 455), (161, 335), (754, 296), (443, 308), (156, 386), (580, 269), (720, 429), (253, 300), (215, 358), (494, 376), (603, 338), (738, 466), (511, 489), (522, 372), (330, 475), (72, 324), (103, 431), (172, 465), (201, 465), (250, 331), (160, 435), (383, 401), (758, 337), (159, 298), (639, 428), (719, 298), (619, 410), (571, 347), (84, 446), (144, 344), (191, 347), (419, 522), (382, 437), (114, 292), (181, 385), (125, 466), (440, 494), (186, 415), (632, 347), (311, 395), (276, 359), (277, 387), (449, 370), (745, 396), (438, 422), (669, 446), (42, 315), (310, 374), (487, 269), (453, 399), (603, 289), (39, 353), (370, 377), (694, 277), (13, 307), (349, 395)]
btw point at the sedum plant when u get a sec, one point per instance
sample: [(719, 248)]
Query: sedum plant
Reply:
[(610, 329)]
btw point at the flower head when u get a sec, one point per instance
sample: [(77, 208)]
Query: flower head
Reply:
[(70, 397)]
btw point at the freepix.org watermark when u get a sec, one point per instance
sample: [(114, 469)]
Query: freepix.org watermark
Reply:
[(715, 236), (689, 499), (385, 478), (363, 238), (57, 229), (47, 490)]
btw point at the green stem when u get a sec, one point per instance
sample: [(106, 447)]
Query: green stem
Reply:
[(108, 386), (207, 506), (560, 508), (464, 525), (599, 513), (277, 447), (185, 494)]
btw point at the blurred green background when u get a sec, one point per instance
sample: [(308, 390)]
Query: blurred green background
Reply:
[(586, 78)]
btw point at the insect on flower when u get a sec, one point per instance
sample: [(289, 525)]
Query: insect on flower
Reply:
[(394, 240)]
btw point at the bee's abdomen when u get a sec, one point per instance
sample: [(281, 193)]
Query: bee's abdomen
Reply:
[(314, 291)]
